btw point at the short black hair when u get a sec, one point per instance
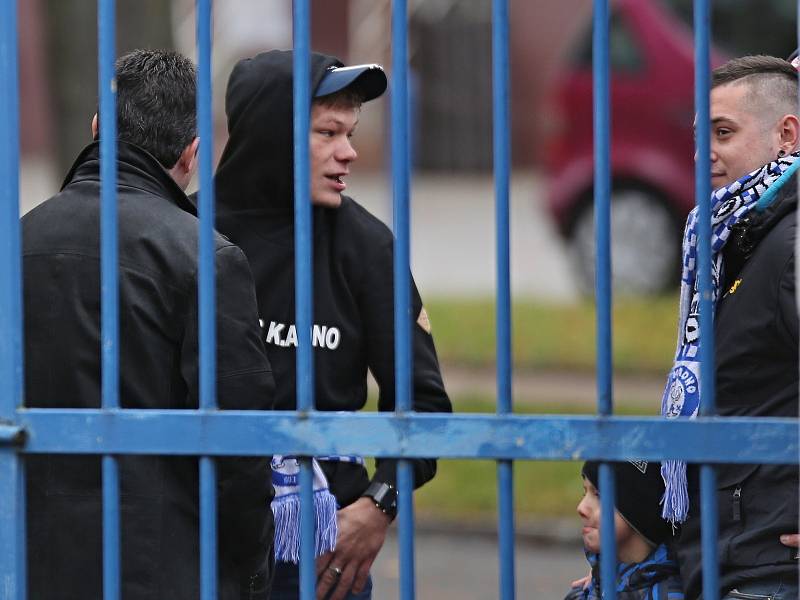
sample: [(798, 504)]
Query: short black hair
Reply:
[(156, 99), (753, 65), (349, 97), (772, 82)]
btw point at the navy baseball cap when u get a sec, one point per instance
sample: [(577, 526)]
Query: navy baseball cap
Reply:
[(369, 80)]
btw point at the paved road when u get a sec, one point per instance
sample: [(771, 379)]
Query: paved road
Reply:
[(453, 235), (576, 390), (459, 567)]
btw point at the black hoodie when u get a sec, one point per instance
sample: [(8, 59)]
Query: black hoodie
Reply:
[(353, 267)]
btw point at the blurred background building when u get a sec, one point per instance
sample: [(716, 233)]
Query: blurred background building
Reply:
[(451, 97)]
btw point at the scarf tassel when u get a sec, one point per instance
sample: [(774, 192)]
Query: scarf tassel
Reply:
[(676, 497), (286, 510)]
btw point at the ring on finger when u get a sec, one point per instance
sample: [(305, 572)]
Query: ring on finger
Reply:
[(337, 572)]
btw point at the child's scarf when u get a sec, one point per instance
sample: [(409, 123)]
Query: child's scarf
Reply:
[(681, 396), (286, 507), (658, 569)]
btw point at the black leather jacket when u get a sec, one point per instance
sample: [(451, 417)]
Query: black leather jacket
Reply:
[(756, 337), (158, 234)]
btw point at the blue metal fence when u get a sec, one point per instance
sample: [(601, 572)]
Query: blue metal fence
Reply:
[(503, 437)]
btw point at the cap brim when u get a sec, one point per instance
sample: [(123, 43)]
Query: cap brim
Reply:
[(369, 80)]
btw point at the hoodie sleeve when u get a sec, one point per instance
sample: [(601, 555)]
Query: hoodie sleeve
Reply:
[(428, 393), (244, 382)]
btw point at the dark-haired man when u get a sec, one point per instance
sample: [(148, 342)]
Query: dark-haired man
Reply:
[(353, 298), (755, 135), (158, 238)]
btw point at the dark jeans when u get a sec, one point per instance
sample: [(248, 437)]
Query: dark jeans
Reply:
[(764, 590), (286, 585)]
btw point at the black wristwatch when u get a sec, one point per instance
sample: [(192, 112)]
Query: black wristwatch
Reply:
[(384, 496)]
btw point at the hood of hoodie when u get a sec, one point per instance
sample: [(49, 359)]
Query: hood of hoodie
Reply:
[(255, 175)]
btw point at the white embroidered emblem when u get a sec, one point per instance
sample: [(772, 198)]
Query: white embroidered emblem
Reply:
[(423, 321), (640, 464)]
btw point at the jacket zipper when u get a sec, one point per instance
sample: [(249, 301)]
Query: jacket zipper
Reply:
[(737, 504)]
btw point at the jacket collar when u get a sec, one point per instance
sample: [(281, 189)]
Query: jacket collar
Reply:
[(135, 168)]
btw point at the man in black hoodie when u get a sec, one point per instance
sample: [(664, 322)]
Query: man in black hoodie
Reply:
[(158, 345), (755, 136), (353, 285)]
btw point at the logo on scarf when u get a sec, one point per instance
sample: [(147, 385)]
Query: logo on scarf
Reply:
[(682, 391)]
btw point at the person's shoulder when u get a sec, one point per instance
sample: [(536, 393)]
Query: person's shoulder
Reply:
[(779, 242), (63, 218), (41, 210), (362, 223)]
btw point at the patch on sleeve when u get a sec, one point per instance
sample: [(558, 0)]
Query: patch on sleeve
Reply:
[(423, 321)]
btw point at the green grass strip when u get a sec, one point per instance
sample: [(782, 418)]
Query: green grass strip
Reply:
[(555, 336)]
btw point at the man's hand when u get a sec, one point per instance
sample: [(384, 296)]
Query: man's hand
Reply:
[(582, 583), (791, 539), (362, 531)]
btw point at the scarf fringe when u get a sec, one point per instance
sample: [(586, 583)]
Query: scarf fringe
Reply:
[(676, 497), (286, 510)]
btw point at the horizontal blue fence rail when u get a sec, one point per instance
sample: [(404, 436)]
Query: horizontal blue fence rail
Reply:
[(713, 439)]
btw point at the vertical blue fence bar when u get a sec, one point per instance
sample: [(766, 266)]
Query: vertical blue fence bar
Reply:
[(206, 300), (602, 204), (208, 529), (502, 151), (602, 224), (402, 283), (400, 181), (708, 487), (109, 289), (302, 205), (12, 481), (304, 264)]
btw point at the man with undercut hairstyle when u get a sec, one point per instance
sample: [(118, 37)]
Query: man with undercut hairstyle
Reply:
[(754, 141), (158, 362)]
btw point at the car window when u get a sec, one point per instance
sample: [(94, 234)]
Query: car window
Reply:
[(740, 27), (624, 51)]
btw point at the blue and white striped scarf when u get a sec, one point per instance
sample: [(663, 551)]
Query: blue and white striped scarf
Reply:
[(682, 393), (286, 506), (656, 577)]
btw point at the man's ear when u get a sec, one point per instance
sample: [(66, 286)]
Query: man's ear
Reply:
[(95, 127), (789, 130), (188, 158), (184, 168)]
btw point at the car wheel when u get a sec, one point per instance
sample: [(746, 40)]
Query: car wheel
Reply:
[(645, 243)]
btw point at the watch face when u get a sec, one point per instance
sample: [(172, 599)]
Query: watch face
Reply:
[(384, 496)]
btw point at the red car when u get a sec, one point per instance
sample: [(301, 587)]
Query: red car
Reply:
[(652, 167)]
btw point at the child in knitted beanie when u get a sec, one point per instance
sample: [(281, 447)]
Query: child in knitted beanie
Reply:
[(646, 569)]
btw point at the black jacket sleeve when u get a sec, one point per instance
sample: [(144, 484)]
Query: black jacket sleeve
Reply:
[(787, 303), (428, 393), (244, 382)]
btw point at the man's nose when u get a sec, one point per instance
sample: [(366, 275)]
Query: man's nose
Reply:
[(713, 156), (346, 152)]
